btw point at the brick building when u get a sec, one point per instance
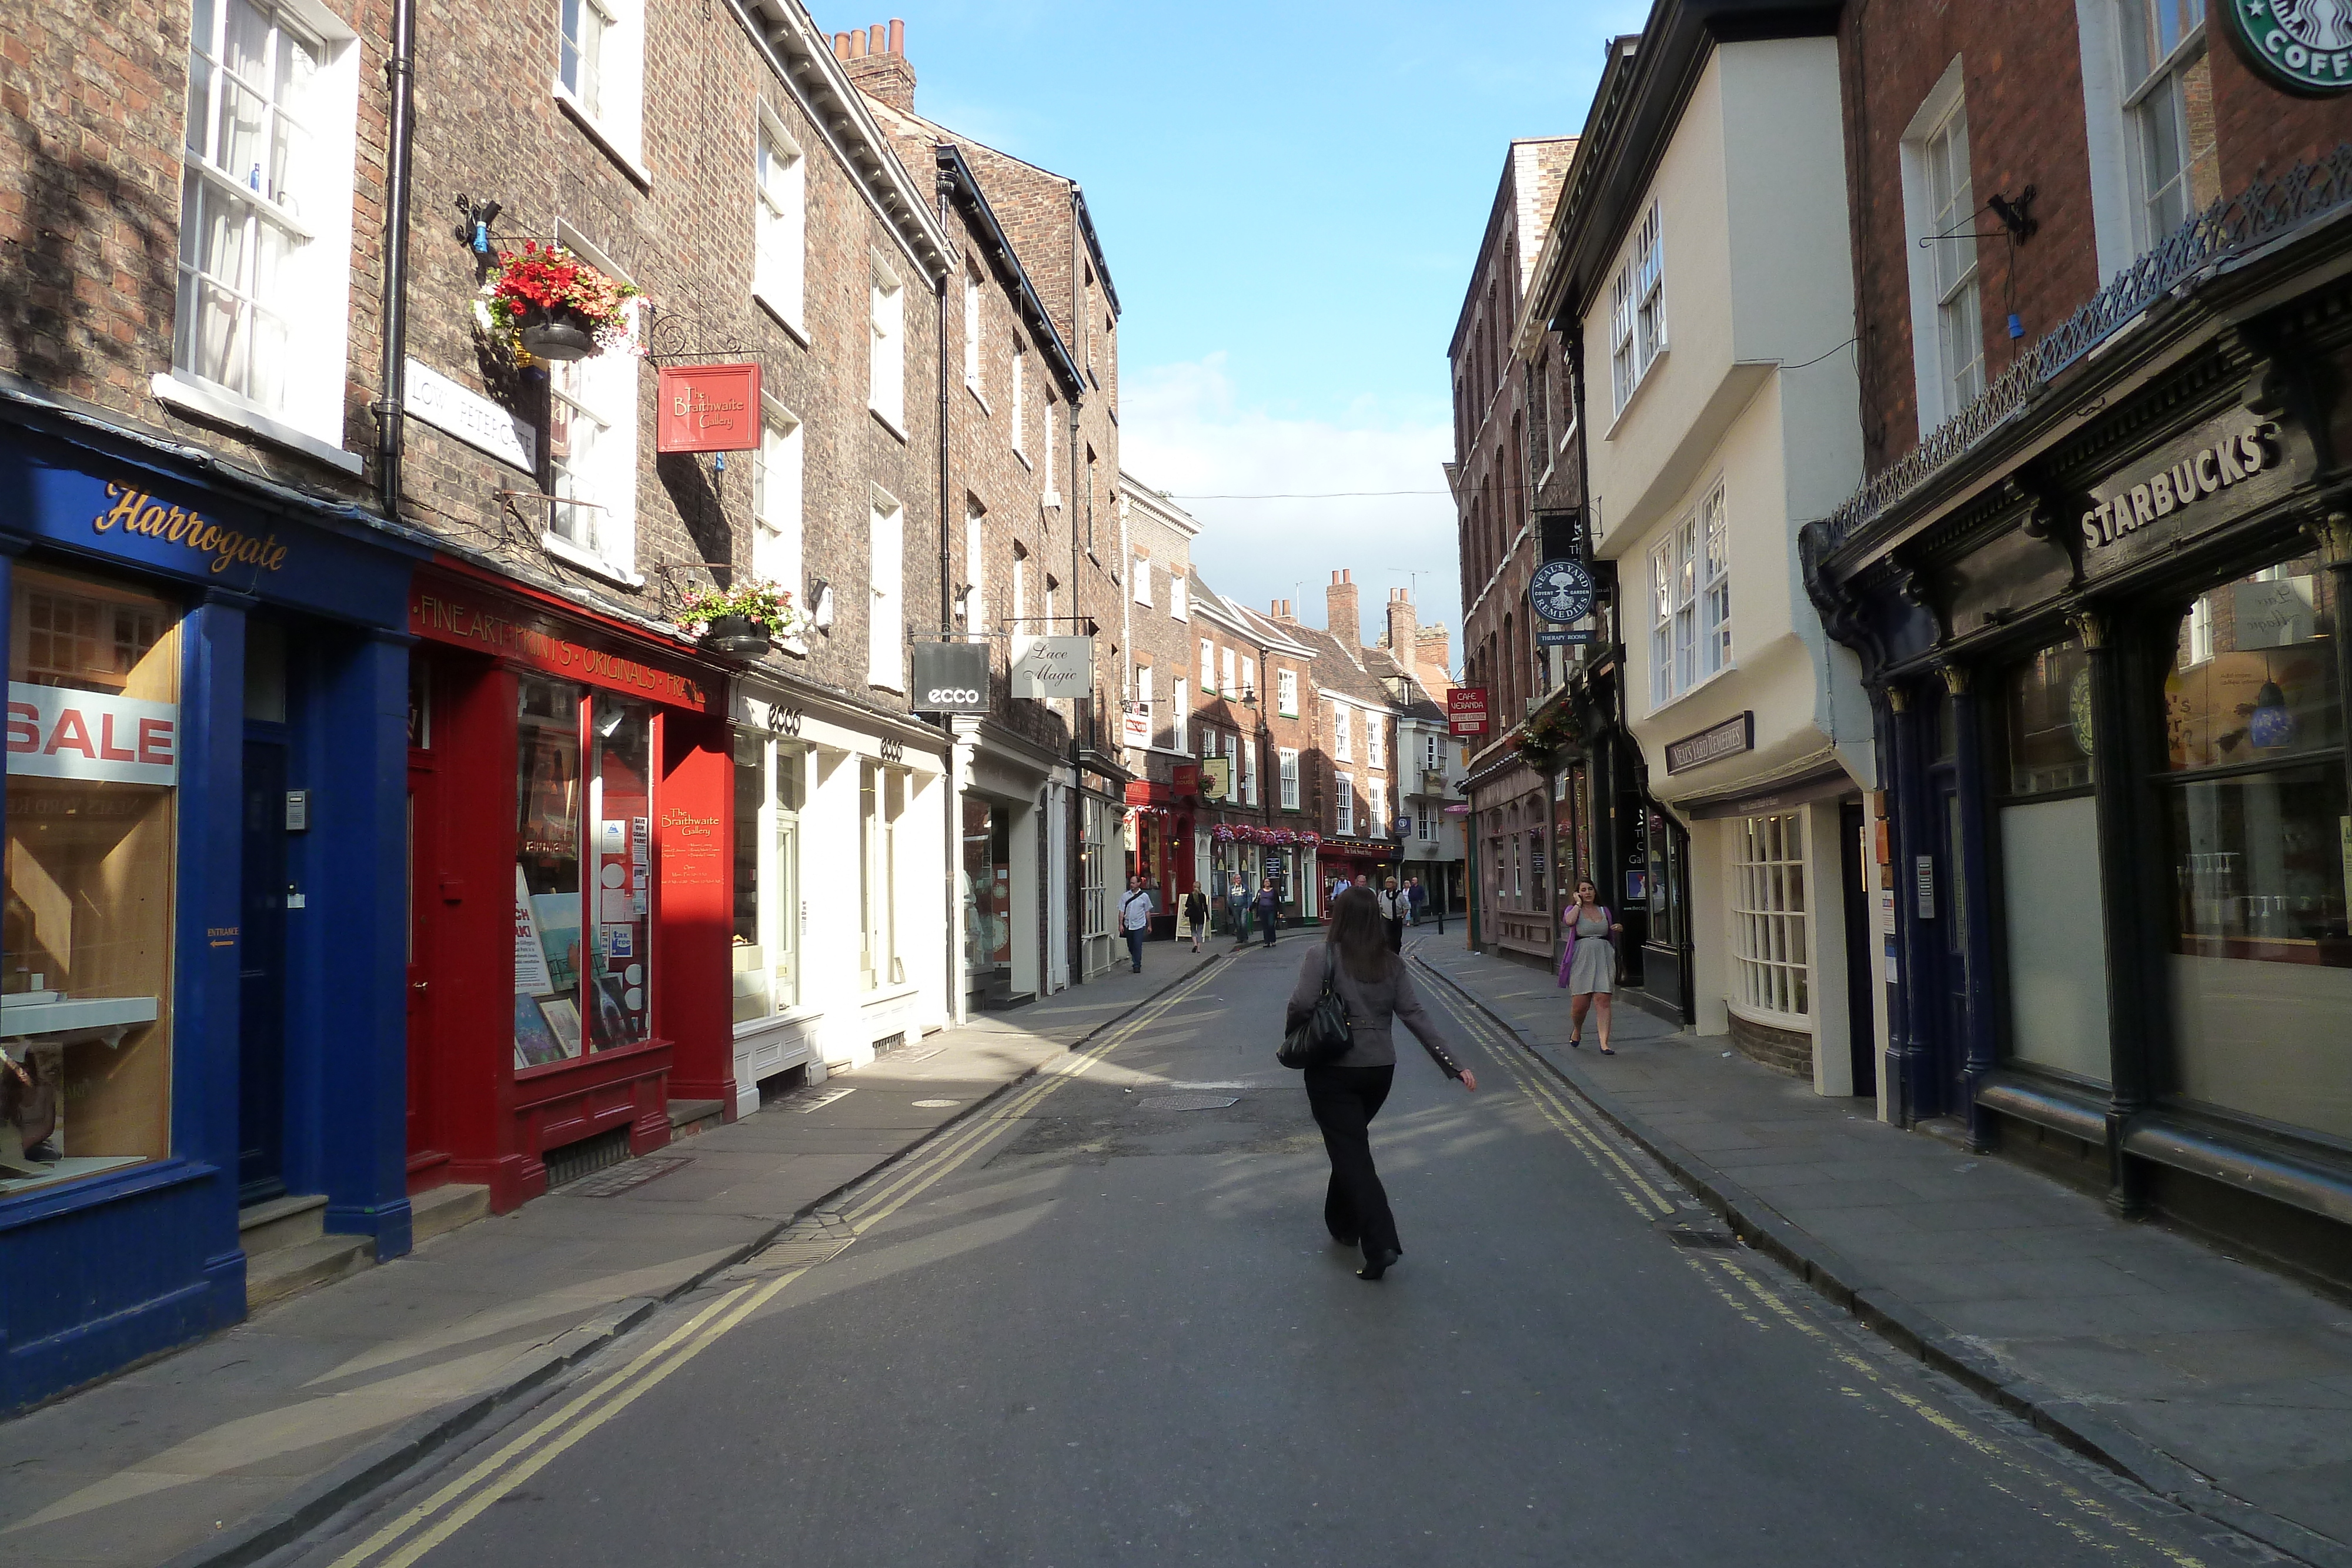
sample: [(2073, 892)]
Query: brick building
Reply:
[(1155, 550), (2095, 577)]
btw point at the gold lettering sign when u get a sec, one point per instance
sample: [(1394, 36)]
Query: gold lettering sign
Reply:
[(497, 631), (137, 512)]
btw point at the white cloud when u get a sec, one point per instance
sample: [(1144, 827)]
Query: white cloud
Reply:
[(1182, 429)]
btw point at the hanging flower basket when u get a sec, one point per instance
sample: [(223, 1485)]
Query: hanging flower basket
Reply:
[(550, 305), (741, 619)]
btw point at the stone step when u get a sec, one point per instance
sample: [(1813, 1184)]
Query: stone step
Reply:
[(280, 1223), (438, 1210), (286, 1270), (688, 1117)]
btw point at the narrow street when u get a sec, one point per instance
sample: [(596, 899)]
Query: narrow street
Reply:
[(1093, 1323)]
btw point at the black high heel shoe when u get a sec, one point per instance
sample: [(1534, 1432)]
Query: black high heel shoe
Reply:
[(1377, 1264)]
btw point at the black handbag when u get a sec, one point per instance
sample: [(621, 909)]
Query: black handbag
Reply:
[(1323, 1036)]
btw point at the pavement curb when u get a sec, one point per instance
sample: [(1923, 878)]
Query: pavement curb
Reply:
[(258, 1536), (1917, 1331)]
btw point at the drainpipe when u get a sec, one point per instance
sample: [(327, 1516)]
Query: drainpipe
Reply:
[(950, 807), (400, 76)]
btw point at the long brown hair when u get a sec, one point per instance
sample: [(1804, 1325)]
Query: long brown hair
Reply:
[(1359, 936)]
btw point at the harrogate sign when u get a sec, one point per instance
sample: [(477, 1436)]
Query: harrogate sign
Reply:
[(2302, 46)]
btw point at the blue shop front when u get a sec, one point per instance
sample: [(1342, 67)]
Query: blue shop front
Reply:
[(203, 942)]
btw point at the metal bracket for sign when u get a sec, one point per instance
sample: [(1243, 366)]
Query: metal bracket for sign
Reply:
[(656, 318)]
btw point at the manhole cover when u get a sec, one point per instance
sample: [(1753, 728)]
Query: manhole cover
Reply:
[(1188, 1102), (622, 1178), (936, 1104)]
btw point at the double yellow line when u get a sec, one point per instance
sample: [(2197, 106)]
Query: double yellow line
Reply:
[(418, 1529)]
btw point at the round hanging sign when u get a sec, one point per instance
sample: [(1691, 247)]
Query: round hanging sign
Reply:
[(1561, 591), (2302, 46)]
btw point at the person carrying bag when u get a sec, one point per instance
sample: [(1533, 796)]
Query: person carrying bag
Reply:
[(1337, 1030), (1587, 962)]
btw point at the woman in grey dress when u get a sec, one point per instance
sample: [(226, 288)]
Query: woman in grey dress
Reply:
[(1587, 962)]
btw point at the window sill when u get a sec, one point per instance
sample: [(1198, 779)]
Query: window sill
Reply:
[(1634, 397), (1764, 1018), (604, 138), (785, 319), (1691, 692), (571, 554), (1051, 501), (790, 1018), (1023, 456), (225, 407), (896, 688), (886, 423), (978, 397)]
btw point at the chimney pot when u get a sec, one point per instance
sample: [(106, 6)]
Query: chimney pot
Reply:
[(875, 39), (898, 36), (841, 46)]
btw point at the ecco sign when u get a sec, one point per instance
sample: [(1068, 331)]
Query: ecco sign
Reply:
[(2303, 46), (950, 677)]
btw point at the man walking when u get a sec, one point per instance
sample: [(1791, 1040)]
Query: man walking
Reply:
[(1135, 919), (1416, 899), (1240, 909)]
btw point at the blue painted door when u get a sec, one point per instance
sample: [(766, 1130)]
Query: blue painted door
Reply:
[(261, 978)]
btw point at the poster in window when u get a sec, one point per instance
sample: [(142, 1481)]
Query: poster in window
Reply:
[(562, 1015), (531, 977), (558, 918), (535, 1044)]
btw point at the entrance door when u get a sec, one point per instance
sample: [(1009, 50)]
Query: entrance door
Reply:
[(424, 857), (261, 978), (1952, 915), (1862, 1027)]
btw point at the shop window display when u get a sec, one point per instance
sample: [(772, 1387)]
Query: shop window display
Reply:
[(583, 874), (2052, 919), (93, 730), (766, 948), (2261, 848)]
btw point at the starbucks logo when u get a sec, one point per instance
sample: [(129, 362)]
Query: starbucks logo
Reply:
[(2303, 47)]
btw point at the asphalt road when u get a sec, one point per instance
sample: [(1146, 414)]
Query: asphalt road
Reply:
[(1080, 1327)]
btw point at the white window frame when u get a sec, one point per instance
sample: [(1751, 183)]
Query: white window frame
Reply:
[(308, 295), (1690, 601), (1772, 916), (886, 360), (1144, 700), (1947, 291), (1208, 668), (780, 238), (1637, 308), (1342, 733), (592, 524), (1180, 715), (972, 330), (1020, 409), (1179, 606), (1376, 740), (1249, 773), (1286, 688), (1141, 573), (1051, 495), (1249, 676), (885, 562), (1344, 804), (1019, 622), (610, 105), (1227, 681), (2159, 89), (975, 570), (1287, 760), (776, 499)]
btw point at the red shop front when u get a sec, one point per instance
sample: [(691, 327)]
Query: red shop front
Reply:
[(570, 793)]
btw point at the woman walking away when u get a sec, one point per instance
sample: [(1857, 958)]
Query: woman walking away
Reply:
[(1270, 909), (1196, 915), (1393, 914), (1347, 1095), (1587, 962)]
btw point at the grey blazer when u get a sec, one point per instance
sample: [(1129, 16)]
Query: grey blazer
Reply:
[(1372, 1010)]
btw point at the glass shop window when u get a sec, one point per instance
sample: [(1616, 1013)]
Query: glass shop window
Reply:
[(2261, 850), (2048, 713), (93, 733), (583, 874), (2053, 918), (767, 877)]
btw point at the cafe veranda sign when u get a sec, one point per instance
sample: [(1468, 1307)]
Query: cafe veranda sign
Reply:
[(1050, 667)]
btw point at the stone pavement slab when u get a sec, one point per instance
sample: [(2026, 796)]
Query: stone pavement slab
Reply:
[(2215, 1381), (211, 1453)]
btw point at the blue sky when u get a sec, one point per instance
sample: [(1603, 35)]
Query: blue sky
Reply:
[(1290, 198)]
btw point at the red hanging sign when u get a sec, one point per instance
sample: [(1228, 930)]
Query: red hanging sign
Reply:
[(1466, 708), (708, 408)]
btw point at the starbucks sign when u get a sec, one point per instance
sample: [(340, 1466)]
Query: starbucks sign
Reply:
[(2303, 46)]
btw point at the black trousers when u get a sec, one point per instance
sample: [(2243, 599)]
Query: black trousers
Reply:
[(1396, 935), (1345, 1100), (1266, 920)]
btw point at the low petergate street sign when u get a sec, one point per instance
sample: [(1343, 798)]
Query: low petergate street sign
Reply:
[(2302, 46)]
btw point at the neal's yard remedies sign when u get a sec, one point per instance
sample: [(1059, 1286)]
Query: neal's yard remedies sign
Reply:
[(2219, 471)]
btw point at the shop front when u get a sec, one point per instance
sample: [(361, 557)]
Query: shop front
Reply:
[(1006, 838), (1511, 849), (571, 801), (1339, 860), (2110, 649), (201, 993)]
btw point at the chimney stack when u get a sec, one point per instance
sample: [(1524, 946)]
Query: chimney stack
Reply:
[(876, 61), (1282, 610), (1340, 617), (1434, 653), (1403, 643)]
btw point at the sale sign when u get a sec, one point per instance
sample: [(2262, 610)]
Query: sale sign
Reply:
[(1465, 710), (57, 732), (708, 408)]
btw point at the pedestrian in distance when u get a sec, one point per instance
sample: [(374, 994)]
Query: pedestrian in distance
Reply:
[(1269, 910), (1345, 1094), (1241, 909), (1196, 915), (1587, 962), (1135, 919), (1416, 899), (1392, 907)]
